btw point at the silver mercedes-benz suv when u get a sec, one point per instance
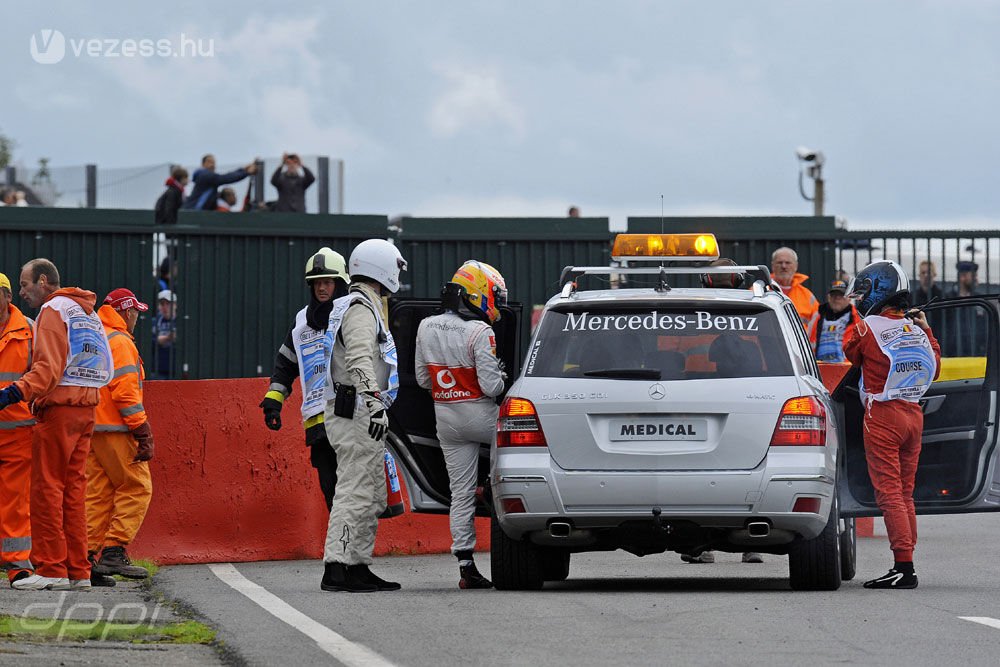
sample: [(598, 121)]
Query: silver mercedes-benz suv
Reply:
[(667, 418)]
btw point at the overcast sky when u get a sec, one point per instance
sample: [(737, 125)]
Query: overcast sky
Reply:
[(523, 108)]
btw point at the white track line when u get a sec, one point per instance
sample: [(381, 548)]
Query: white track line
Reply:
[(344, 650), (983, 620)]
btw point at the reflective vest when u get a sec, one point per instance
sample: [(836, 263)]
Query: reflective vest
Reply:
[(120, 409), (313, 350), (911, 360), (88, 361), (17, 345), (387, 346), (830, 337)]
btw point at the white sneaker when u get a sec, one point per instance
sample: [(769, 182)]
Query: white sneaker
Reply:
[(80, 584), (37, 582)]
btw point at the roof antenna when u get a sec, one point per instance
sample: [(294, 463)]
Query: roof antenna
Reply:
[(661, 213)]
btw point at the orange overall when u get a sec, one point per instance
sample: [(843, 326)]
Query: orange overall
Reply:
[(892, 433), (16, 347), (118, 489), (59, 445), (806, 304)]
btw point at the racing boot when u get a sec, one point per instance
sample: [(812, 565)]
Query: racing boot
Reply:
[(703, 557), (340, 577), (114, 560), (370, 577), (900, 576), (470, 578), (98, 579)]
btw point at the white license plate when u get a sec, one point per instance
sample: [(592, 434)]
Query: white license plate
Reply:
[(658, 428)]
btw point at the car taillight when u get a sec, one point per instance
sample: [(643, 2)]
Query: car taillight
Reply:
[(802, 423), (518, 425)]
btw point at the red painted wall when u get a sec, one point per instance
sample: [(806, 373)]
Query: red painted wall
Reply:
[(225, 488)]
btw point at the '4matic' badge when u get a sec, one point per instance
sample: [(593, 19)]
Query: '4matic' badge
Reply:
[(656, 391)]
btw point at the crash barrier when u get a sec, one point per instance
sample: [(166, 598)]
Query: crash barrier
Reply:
[(225, 488)]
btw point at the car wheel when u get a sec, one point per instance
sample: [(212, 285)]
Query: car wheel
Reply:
[(814, 565), (515, 565), (555, 564), (848, 549)]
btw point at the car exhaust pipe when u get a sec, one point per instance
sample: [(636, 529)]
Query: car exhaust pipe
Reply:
[(559, 529), (759, 529)]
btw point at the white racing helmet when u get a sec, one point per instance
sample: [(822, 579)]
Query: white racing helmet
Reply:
[(378, 260)]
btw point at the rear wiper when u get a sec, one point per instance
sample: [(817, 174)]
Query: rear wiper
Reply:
[(626, 373)]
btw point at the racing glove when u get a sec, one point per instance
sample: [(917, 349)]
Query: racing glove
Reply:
[(378, 418), (10, 395), (144, 439), (272, 413)]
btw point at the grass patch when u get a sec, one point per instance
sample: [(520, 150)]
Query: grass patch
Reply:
[(184, 632), (151, 566)]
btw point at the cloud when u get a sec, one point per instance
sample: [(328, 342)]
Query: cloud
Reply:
[(475, 99)]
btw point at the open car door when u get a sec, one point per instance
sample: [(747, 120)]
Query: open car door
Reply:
[(958, 470), (412, 427)]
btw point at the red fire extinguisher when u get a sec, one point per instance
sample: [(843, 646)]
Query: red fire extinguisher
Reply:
[(393, 494)]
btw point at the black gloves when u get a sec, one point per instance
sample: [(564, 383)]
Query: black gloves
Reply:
[(378, 419), (272, 413), (10, 395), (144, 439)]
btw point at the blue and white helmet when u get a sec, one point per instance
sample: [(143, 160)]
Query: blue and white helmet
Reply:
[(876, 284)]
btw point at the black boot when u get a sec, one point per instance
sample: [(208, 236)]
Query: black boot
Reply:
[(340, 577), (369, 577), (900, 576), (470, 578), (99, 579), (114, 560)]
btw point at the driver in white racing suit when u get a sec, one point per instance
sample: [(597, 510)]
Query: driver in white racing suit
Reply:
[(456, 360)]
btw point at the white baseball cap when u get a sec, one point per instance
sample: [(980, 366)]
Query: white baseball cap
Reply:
[(166, 295)]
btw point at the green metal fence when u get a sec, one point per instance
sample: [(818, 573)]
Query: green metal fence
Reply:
[(239, 276)]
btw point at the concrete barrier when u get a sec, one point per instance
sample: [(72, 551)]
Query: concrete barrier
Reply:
[(225, 488)]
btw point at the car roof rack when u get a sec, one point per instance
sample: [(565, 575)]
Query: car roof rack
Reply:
[(760, 273)]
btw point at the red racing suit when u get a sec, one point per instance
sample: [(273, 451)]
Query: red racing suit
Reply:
[(893, 351), (456, 360)]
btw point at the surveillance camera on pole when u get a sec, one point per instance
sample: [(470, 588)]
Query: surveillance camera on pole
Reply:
[(815, 160)]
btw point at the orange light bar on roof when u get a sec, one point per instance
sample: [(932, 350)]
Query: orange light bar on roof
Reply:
[(682, 247)]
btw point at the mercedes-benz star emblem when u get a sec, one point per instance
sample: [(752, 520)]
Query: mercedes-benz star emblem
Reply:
[(656, 392)]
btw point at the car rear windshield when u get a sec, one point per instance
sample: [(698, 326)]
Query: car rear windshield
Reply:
[(674, 343)]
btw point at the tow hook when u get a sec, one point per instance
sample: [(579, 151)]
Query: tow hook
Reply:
[(658, 522)]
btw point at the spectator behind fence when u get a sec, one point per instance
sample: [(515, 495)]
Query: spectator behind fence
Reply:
[(928, 288), (291, 180), (784, 271), (167, 274), (164, 335), (574, 212), (20, 198), (7, 198), (205, 193), (165, 212), (226, 201), (968, 279)]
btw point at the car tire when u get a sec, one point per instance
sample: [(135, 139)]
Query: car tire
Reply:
[(515, 565), (848, 550), (555, 564), (814, 565)]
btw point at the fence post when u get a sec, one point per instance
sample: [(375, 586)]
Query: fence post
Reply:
[(323, 182), (91, 186), (340, 186), (11, 175), (258, 183)]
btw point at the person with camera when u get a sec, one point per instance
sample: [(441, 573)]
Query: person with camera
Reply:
[(899, 358), (305, 355), (291, 179), (205, 194), (364, 384), (456, 360)]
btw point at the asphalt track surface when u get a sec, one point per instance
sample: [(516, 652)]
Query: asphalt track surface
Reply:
[(616, 609)]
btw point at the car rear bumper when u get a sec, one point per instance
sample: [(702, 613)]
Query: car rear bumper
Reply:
[(725, 501)]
